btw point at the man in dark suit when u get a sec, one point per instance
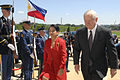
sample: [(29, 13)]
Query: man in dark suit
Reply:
[(97, 48)]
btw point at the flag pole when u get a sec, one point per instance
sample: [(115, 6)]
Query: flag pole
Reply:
[(27, 9), (34, 48), (35, 58), (40, 14)]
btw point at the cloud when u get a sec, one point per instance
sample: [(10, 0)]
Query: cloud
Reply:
[(21, 12), (67, 14)]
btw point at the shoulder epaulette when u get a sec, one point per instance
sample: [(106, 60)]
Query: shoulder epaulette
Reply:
[(3, 41), (21, 35)]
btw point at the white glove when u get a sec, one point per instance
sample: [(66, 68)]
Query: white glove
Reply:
[(32, 56), (11, 47)]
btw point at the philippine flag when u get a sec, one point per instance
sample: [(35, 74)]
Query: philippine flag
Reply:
[(35, 11)]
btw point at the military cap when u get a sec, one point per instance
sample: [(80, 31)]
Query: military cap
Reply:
[(35, 32), (26, 21), (6, 7), (42, 28)]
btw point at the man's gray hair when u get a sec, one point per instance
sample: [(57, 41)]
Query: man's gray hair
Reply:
[(91, 12)]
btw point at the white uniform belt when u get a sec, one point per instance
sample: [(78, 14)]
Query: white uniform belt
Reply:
[(29, 44)]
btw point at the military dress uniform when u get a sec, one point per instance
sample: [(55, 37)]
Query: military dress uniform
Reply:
[(67, 49), (40, 52), (26, 51), (40, 42), (5, 39)]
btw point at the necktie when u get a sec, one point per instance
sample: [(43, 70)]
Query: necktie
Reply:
[(7, 20), (90, 39)]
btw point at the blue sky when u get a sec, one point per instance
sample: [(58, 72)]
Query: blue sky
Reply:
[(71, 11)]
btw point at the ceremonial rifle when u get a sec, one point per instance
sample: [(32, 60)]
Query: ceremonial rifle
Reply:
[(15, 53), (13, 32)]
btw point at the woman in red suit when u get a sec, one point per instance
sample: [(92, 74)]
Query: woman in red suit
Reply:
[(54, 64)]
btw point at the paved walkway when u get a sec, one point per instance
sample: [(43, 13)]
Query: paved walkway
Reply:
[(70, 75)]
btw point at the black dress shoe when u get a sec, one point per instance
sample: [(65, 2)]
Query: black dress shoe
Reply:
[(67, 70)]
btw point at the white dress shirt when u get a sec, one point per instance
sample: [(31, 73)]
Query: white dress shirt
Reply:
[(5, 18), (93, 32)]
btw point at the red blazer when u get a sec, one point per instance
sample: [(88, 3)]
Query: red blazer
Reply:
[(54, 59)]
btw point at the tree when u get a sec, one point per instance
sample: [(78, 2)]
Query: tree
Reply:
[(68, 29)]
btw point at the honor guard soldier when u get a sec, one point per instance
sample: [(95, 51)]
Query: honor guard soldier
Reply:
[(26, 50), (6, 46), (40, 42), (67, 40)]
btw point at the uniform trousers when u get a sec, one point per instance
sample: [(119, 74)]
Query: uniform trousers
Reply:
[(7, 62), (27, 67), (67, 60), (40, 64)]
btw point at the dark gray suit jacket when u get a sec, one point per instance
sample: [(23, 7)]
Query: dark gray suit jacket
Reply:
[(103, 51)]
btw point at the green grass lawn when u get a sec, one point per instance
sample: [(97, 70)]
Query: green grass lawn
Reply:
[(116, 32)]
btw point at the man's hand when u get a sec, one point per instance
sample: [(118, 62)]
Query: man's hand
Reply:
[(113, 72), (77, 68)]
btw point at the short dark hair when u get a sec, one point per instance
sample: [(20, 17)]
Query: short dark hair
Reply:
[(56, 27), (42, 28)]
